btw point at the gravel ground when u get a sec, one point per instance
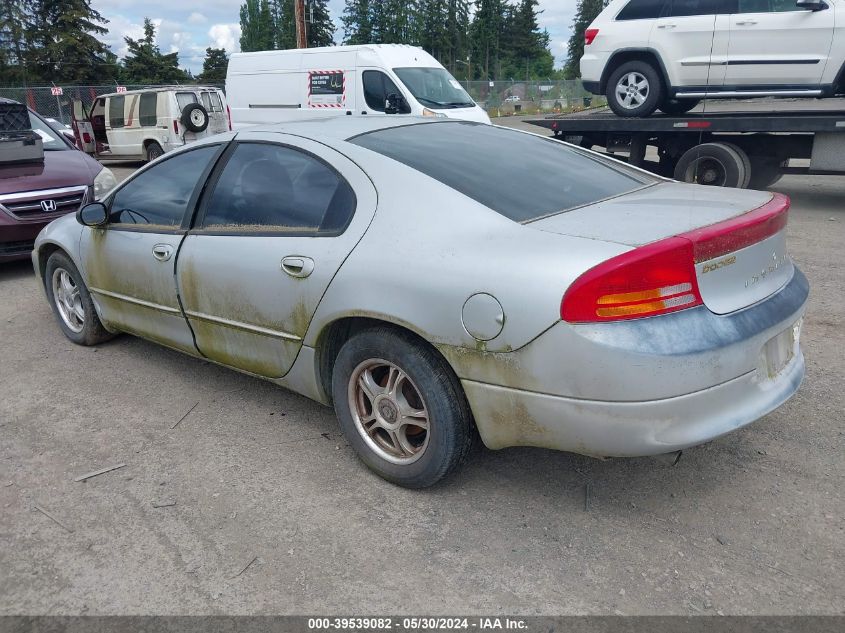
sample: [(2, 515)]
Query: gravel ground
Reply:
[(253, 503)]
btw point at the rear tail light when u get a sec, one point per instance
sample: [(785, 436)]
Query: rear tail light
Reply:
[(176, 127), (86, 138), (660, 277), (590, 35), (229, 116), (654, 279)]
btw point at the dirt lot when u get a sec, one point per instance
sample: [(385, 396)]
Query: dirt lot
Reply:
[(253, 503)]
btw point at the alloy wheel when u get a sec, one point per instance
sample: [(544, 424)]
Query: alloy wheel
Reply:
[(389, 411), (68, 300), (632, 90)]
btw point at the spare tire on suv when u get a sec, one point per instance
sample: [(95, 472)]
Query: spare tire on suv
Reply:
[(195, 117)]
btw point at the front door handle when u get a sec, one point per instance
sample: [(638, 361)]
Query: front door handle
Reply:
[(162, 252), (666, 26), (298, 266), (746, 23)]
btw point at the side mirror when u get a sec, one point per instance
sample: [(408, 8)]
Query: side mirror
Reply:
[(811, 5), (394, 104), (93, 214)]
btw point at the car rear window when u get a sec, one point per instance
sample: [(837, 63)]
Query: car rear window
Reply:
[(521, 176)]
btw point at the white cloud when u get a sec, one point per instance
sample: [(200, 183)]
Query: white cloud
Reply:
[(226, 36), (197, 18)]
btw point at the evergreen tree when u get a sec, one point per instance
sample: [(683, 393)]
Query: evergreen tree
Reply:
[(586, 12), (357, 20), (486, 31), (145, 63), (257, 28), (63, 44), (214, 66), (14, 21), (320, 27), (284, 23)]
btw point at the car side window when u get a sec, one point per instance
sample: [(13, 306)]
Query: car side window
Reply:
[(159, 196), (641, 10), (147, 109), (275, 188), (686, 8), (116, 116), (766, 6), (377, 86)]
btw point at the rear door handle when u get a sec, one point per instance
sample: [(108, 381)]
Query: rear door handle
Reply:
[(746, 23), (666, 26), (298, 265), (162, 252)]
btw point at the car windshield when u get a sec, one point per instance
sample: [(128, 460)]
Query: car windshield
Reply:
[(434, 88), (522, 176), (49, 137)]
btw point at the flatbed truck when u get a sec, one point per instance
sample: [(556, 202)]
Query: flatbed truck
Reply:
[(729, 149)]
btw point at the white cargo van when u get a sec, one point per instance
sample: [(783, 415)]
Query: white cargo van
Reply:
[(277, 86), (147, 123)]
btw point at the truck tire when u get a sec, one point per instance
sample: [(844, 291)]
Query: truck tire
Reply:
[(676, 107), (766, 171), (194, 117), (715, 164), (154, 151), (745, 161), (635, 89)]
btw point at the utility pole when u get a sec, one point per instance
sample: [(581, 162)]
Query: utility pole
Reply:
[(299, 15)]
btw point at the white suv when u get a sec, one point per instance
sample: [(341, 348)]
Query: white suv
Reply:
[(669, 54)]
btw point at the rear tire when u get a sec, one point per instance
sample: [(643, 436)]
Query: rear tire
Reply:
[(71, 302), (714, 164), (383, 375), (635, 89), (675, 107), (154, 151)]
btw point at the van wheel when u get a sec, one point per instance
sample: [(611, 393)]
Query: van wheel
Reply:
[(634, 89), (194, 117), (154, 151), (401, 407)]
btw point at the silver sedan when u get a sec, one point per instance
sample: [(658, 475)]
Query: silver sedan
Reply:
[(436, 281)]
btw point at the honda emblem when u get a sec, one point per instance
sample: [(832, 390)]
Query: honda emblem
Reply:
[(48, 206)]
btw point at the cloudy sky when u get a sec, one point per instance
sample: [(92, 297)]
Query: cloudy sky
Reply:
[(189, 26)]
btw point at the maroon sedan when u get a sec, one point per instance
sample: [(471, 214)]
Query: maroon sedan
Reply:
[(32, 194)]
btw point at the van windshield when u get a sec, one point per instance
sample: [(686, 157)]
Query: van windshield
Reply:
[(434, 87)]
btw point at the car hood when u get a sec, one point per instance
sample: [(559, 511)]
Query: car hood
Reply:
[(654, 212), (59, 169)]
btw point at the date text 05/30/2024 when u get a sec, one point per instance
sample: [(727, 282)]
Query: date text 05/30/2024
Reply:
[(416, 624)]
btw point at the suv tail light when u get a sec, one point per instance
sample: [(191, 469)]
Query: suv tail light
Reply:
[(590, 35), (660, 277), (229, 116)]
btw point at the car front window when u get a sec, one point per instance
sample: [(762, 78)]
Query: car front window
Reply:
[(49, 136), (434, 88)]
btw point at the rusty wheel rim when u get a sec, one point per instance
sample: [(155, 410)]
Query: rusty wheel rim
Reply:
[(388, 411)]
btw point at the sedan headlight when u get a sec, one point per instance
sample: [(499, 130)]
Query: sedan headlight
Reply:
[(103, 183)]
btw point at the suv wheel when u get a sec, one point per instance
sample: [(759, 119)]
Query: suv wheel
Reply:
[(634, 89)]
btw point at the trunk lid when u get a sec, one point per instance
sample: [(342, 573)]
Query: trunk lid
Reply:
[(738, 236)]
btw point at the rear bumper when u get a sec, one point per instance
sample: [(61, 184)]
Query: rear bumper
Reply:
[(592, 66), (510, 417)]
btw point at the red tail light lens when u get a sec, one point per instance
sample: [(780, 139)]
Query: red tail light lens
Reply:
[(229, 116), (590, 35), (86, 138), (654, 279), (176, 126)]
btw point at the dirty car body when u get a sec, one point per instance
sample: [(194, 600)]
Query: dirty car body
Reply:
[(576, 303)]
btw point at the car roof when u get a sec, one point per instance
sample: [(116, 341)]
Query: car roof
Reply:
[(161, 89), (343, 127)]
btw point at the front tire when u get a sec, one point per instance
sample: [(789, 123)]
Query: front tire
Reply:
[(401, 407), (71, 302), (635, 89)]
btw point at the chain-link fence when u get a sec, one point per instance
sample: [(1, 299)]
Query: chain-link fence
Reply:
[(59, 107), (531, 97), (498, 97)]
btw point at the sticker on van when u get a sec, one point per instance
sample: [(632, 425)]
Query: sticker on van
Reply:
[(326, 89)]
